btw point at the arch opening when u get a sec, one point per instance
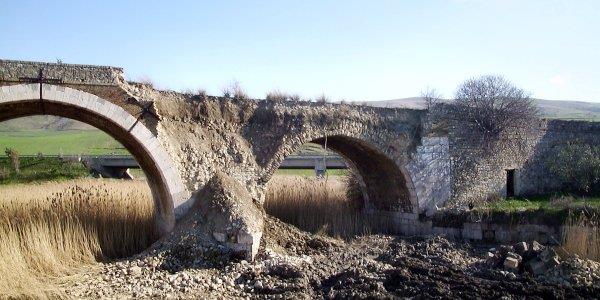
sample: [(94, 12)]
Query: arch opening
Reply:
[(343, 202), (139, 142), (384, 185)]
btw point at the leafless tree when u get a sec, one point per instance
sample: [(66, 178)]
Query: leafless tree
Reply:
[(491, 107)]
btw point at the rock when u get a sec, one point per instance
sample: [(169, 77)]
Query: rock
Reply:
[(516, 256), (258, 285), (491, 259), (511, 263), (552, 262), (505, 249), (536, 247), (547, 254), (521, 248), (134, 271), (536, 267)]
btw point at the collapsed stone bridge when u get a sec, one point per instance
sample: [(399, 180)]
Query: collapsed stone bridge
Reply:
[(181, 141)]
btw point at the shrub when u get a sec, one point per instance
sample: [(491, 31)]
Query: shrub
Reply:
[(277, 95), (234, 90), (14, 159), (4, 174), (577, 166), (322, 99)]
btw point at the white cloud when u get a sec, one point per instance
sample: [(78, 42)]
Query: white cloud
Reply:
[(557, 80)]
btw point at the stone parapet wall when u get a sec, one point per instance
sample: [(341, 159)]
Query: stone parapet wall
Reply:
[(12, 70)]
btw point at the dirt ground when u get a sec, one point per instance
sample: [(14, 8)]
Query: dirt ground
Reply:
[(295, 265)]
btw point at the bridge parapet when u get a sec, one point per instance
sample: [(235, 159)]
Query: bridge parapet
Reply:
[(12, 70)]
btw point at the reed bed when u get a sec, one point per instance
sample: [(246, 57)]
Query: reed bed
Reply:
[(53, 229), (316, 205), (581, 236)]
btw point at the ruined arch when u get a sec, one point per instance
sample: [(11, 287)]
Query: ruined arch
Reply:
[(32, 99), (386, 185)]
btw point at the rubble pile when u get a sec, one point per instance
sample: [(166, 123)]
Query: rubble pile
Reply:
[(292, 264), (523, 257), (544, 263)]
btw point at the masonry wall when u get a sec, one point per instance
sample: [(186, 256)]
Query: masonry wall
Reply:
[(430, 169), (533, 177), (478, 176)]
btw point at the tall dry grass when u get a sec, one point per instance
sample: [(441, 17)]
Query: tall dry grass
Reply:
[(315, 205), (581, 236), (51, 230)]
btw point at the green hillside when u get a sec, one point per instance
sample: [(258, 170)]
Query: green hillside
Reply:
[(69, 142)]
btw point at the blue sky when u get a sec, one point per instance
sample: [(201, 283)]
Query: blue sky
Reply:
[(354, 50)]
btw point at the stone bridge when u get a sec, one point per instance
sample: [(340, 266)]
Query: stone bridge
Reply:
[(181, 141), (216, 154)]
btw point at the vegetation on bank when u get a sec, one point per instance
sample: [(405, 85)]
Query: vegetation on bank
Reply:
[(546, 202)]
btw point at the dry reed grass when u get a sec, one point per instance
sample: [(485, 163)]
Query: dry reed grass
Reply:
[(581, 236), (316, 205), (53, 229)]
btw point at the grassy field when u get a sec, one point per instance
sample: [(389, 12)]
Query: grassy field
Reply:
[(73, 142), (310, 172), (545, 203), (34, 169)]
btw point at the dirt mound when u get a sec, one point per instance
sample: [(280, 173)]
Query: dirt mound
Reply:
[(284, 238)]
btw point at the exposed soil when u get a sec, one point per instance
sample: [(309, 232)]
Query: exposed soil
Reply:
[(295, 265)]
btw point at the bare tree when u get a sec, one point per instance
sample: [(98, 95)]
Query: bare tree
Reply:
[(491, 106)]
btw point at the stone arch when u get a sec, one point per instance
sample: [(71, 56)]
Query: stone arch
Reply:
[(386, 184), (166, 186)]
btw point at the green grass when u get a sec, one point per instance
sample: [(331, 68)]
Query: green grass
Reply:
[(542, 203), (310, 172), (35, 169), (74, 142)]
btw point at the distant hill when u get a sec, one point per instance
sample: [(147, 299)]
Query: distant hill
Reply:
[(37, 123), (554, 109)]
